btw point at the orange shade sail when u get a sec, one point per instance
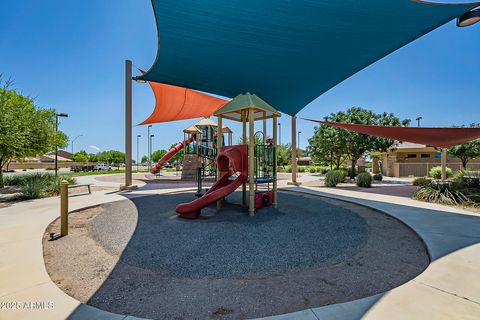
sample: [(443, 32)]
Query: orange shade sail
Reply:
[(177, 103), (434, 137)]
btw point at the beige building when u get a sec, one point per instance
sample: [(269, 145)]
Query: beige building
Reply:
[(410, 159)]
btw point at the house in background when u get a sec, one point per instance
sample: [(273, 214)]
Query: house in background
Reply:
[(411, 159)]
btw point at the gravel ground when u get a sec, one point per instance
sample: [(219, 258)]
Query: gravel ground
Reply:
[(136, 257)]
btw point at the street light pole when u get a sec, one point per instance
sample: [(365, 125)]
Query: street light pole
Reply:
[(138, 139), (148, 146), (299, 153), (279, 133), (80, 135), (418, 121), (56, 145)]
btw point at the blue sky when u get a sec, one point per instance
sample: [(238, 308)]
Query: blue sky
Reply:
[(70, 56)]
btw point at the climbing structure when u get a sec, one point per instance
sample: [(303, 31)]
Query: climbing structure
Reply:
[(238, 165)]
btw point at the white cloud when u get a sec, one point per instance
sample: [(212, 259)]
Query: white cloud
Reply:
[(95, 148)]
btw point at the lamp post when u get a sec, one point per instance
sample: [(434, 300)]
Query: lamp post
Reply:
[(80, 135), (279, 133), (64, 115), (299, 153), (148, 146), (418, 121), (138, 139)]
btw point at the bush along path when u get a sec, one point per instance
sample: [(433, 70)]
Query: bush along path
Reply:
[(36, 185)]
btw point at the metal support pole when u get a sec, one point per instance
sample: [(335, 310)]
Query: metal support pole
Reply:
[(444, 164), (294, 150), (251, 163), (219, 149), (63, 208), (138, 143), (274, 189), (128, 123)]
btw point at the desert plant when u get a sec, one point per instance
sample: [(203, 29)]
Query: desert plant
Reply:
[(442, 193), (324, 170), (334, 177), (436, 172), (420, 182), (378, 177), (33, 186), (364, 180)]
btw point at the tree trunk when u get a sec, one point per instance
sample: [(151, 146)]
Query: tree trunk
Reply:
[(352, 169), (1, 176), (464, 163)]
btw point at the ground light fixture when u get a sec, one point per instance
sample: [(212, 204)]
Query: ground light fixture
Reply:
[(468, 18)]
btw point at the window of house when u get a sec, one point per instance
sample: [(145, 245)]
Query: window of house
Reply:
[(425, 155), (411, 155)]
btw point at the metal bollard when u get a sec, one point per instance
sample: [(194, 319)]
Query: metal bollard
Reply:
[(63, 208)]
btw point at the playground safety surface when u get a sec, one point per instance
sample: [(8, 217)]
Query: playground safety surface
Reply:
[(137, 257)]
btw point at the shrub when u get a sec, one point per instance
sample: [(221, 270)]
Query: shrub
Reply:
[(441, 193), (364, 180), (468, 179), (421, 182), (15, 180), (378, 177), (324, 170), (436, 172), (280, 169), (49, 169), (289, 169), (334, 177), (34, 185), (300, 169), (312, 170)]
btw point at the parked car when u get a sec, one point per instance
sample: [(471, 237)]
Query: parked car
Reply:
[(167, 165), (102, 167)]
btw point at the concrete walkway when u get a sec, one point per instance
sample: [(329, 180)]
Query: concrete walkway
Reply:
[(448, 289)]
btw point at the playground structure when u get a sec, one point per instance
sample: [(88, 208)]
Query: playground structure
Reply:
[(238, 165), (199, 150)]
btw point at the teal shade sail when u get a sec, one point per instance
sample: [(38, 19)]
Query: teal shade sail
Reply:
[(288, 52)]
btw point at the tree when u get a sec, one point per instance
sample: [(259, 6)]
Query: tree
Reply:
[(112, 157), (144, 159), (467, 151), (327, 145), (284, 154), (177, 157), (157, 155), (80, 156), (25, 129), (92, 157), (348, 144)]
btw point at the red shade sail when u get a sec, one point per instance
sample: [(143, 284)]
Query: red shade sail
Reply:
[(177, 103), (434, 137)]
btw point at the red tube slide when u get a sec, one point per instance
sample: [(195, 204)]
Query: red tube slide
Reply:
[(157, 166)]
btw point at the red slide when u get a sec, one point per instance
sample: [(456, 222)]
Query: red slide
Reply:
[(232, 159), (157, 166)]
